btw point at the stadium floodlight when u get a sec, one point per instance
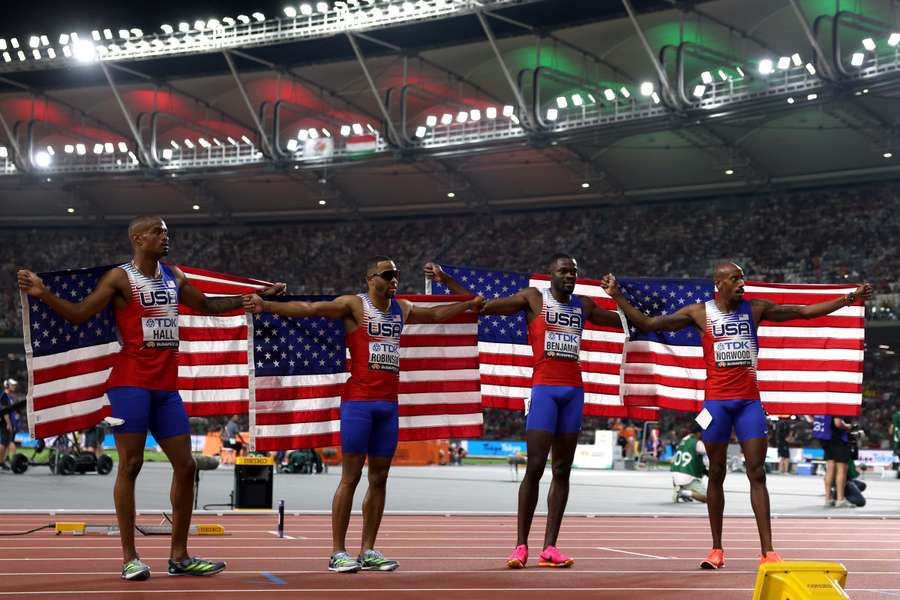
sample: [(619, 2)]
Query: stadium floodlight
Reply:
[(306, 9), (462, 117), (213, 24), (228, 21), (561, 102), (795, 58), (303, 135), (451, 194), (244, 19), (51, 151), (68, 148), (123, 147), (812, 96), (217, 142), (790, 100), (869, 44), (4, 153), (371, 129), (124, 34), (189, 144), (585, 185), (766, 66), (313, 133), (699, 90), (21, 55), (430, 120), (446, 119), (109, 147), (322, 7), (894, 39), (408, 6), (199, 24), (71, 210), (475, 114), (34, 41), (552, 114), (84, 51), (810, 68), (290, 12), (51, 53), (609, 95), (8, 58), (184, 27), (107, 34), (508, 110), (655, 98), (45, 41), (134, 159), (491, 112), (729, 171), (36, 54), (740, 71), (175, 145), (722, 75), (3, 44), (292, 144), (646, 89), (323, 202), (137, 32), (167, 154), (888, 154), (195, 206), (98, 148), (420, 131), (784, 62), (259, 17), (345, 130), (326, 133), (203, 142), (14, 42), (625, 93), (246, 140), (857, 59), (167, 29), (591, 98), (80, 149), (706, 77)]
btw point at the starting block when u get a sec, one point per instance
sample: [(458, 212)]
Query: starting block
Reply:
[(801, 581), (79, 528)]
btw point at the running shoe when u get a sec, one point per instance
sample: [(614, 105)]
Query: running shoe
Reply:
[(844, 504), (342, 562), (518, 558), (195, 565), (135, 570), (829, 504), (676, 496), (714, 560), (770, 557), (373, 560), (552, 557)]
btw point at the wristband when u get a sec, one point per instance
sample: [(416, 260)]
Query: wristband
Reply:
[(851, 298)]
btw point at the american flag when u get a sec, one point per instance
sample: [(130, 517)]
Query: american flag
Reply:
[(506, 357), (68, 364), (299, 367), (804, 367)]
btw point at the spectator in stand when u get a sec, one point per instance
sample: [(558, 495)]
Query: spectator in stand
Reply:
[(232, 437), (9, 422), (894, 432), (783, 439), (833, 433)]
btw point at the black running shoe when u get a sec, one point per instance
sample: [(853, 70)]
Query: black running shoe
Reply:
[(195, 566)]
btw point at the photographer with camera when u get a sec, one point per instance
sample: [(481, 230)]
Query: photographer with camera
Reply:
[(834, 435)]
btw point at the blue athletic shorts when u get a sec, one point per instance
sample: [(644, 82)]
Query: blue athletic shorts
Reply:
[(746, 417), (555, 408), (160, 412), (370, 427)]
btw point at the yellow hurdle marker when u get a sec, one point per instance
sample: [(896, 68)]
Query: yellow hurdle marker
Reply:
[(259, 461), (801, 581), (77, 528), (73, 528)]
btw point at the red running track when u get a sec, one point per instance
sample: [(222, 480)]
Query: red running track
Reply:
[(449, 557)]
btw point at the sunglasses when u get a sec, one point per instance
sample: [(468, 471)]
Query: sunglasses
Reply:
[(387, 275)]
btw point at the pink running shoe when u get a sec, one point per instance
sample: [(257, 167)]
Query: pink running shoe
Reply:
[(552, 557), (518, 558)]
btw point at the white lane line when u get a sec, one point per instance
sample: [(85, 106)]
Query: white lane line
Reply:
[(194, 591), (275, 533), (632, 553)]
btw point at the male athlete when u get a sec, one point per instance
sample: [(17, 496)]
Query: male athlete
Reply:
[(688, 465), (555, 321), (370, 423), (728, 327), (143, 385)]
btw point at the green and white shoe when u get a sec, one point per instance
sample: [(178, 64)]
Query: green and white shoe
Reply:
[(195, 566), (135, 570), (373, 560), (342, 562)]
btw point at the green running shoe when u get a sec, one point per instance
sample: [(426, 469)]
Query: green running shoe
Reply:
[(342, 562), (135, 570), (373, 560), (195, 566)]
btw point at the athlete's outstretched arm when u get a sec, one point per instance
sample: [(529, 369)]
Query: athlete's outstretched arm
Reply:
[(677, 320), (191, 296), (79, 312), (600, 316), (434, 272), (340, 307), (790, 312), (509, 305), (439, 314)]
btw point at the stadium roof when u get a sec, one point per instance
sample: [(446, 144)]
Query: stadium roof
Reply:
[(282, 113)]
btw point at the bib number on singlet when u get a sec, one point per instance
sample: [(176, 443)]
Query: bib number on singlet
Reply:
[(384, 356), (561, 345), (733, 353), (160, 332)]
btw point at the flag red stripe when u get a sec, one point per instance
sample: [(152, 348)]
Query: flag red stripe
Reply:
[(439, 364), (215, 409), (212, 383), (212, 334), (770, 364), (302, 392), (74, 423), (421, 387), (439, 408), (488, 401), (812, 343), (414, 434), (298, 416), (679, 382), (810, 386), (826, 321), (193, 359), (514, 360), (69, 397), (319, 440), (812, 408)]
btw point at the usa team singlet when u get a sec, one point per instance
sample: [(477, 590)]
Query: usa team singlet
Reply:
[(555, 337), (375, 353), (148, 332), (730, 350)]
